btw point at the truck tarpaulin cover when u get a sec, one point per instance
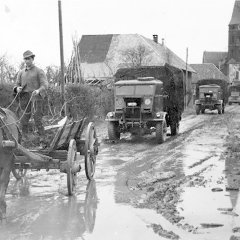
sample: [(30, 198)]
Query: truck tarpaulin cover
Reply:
[(171, 77), (220, 82)]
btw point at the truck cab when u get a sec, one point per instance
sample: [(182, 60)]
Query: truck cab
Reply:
[(138, 108), (234, 94), (210, 97)]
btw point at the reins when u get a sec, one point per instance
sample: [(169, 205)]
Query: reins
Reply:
[(8, 124)]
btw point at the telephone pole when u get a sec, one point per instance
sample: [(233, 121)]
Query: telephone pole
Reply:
[(61, 57), (186, 80)]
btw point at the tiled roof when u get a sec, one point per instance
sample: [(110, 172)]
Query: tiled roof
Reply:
[(101, 55), (207, 71), (236, 13), (214, 57), (167, 55)]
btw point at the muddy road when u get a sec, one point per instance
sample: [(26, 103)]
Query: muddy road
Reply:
[(186, 188)]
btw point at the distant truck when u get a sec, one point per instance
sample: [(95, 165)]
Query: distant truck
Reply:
[(147, 99), (211, 94), (234, 93)]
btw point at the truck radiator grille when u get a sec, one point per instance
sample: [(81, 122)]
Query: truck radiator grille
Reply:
[(132, 113)]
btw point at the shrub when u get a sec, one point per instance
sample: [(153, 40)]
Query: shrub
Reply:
[(81, 100)]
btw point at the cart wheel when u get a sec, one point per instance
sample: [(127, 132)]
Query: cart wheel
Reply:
[(19, 173), (91, 150), (71, 157)]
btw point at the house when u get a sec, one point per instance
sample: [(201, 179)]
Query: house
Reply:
[(100, 56), (219, 59)]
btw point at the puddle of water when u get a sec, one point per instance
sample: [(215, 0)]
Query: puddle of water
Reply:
[(200, 205), (201, 152), (118, 221)]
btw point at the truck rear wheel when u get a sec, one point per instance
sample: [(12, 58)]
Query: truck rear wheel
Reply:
[(197, 109), (161, 132), (223, 110), (113, 131), (174, 129)]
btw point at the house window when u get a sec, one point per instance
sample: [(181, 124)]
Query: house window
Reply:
[(232, 40)]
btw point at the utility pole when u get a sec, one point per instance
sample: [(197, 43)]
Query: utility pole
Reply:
[(61, 57), (186, 80)]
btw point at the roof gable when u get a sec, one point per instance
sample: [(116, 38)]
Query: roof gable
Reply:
[(94, 48), (207, 71), (214, 57)]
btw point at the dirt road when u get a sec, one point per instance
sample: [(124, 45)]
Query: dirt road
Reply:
[(186, 188)]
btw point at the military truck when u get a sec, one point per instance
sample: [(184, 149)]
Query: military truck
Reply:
[(234, 93), (147, 99), (211, 94)]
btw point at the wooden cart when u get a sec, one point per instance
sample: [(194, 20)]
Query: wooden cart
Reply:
[(70, 139)]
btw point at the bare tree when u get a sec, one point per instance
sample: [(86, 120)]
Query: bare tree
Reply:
[(8, 72), (136, 57), (53, 74)]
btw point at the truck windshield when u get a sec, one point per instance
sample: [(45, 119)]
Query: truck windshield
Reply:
[(135, 90), (208, 89)]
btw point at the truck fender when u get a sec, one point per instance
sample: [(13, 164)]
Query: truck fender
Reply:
[(160, 116), (197, 102), (110, 116)]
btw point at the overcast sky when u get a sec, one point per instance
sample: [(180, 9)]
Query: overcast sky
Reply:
[(200, 25)]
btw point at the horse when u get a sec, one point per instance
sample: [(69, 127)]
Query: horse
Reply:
[(9, 119)]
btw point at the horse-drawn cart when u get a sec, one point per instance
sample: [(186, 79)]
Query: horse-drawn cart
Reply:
[(69, 139)]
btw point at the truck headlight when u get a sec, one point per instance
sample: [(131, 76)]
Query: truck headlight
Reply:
[(147, 101), (110, 115), (119, 102)]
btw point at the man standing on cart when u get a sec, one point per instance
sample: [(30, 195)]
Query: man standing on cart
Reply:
[(31, 86)]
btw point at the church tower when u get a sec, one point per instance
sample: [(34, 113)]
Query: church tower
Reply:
[(234, 44), (234, 35)]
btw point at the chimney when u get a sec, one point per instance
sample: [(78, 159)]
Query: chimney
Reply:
[(155, 38), (163, 41)]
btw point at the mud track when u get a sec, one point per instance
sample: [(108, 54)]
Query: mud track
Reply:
[(186, 188)]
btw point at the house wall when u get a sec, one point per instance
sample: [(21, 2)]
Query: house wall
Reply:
[(234, 72), (188, 89)]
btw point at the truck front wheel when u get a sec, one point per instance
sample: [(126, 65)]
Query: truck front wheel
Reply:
[(161, 132), (113, 131), (219, 108), (174, 129)]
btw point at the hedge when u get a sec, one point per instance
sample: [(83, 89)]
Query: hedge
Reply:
[(80, 100)]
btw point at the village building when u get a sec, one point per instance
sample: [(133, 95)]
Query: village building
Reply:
[(96, 58), (229, 62)]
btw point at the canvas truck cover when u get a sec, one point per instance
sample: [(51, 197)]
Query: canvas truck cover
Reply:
[(220, 82), (171, 77)]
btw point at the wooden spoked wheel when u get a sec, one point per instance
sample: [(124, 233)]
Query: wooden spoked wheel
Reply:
[(91, 150), (19, 173), (71, 158)]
